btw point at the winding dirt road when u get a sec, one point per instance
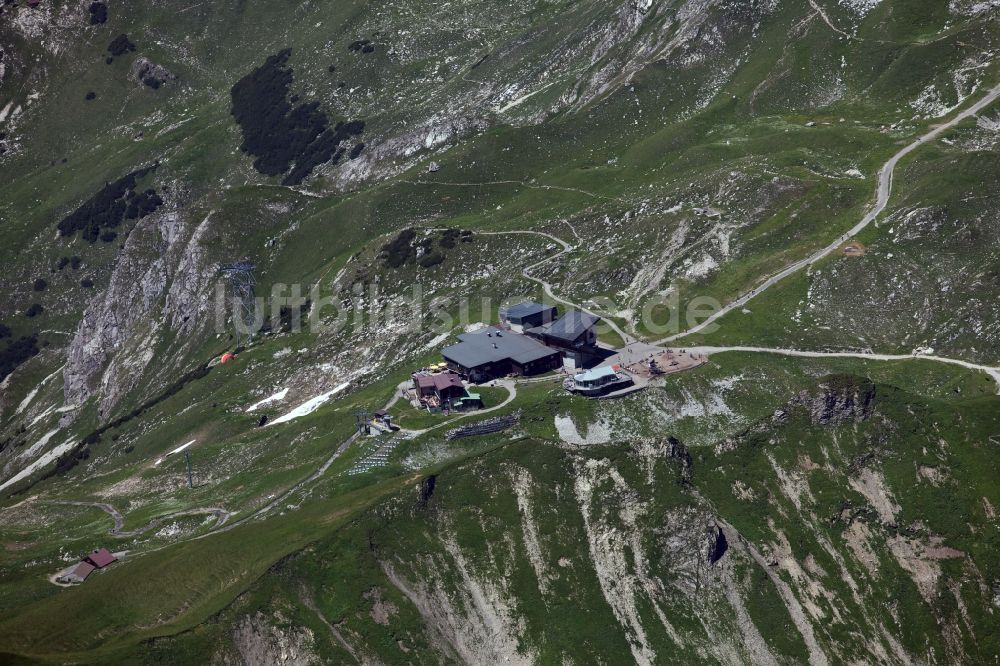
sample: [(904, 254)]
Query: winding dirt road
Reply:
[(883, 193), (221, 516), (547, 286), (885, 185), (992, 372)]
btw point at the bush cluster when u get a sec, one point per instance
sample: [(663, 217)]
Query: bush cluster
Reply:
[(73, 262), (106, 210), (17, 352), (143, 204), (287, 314), (362, 45), (98, 13), (120, 45), (400, 249), (449, 237), (432, 258), (280, 135)]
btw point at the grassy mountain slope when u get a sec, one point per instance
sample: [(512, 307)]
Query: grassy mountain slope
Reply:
[(682, 148), (840, 500)]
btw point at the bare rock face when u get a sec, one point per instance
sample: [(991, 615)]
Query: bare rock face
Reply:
[(841, 399), (160, 282), (261, 643), (690, 542), (54, 26), (600, 55), (147, 72)]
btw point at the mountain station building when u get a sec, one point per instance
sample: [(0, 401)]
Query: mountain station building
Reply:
[(574, 335), (492, 352)]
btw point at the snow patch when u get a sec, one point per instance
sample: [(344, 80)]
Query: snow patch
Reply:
[(38, 464), (310, 406), (177, 450), (39, 445), (280, 395)]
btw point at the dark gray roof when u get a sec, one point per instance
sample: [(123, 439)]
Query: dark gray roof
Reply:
[(572, 325), (476, 349), (525, 309)]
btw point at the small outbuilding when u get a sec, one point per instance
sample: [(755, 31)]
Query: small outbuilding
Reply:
[(100, 558), (599, 381), (383, 417), (78, 574), (442, 386)]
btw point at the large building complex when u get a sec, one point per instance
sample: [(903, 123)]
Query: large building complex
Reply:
[(497, 351), (493, 352)]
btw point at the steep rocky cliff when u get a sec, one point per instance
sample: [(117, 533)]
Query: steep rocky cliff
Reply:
[(783, 546), (157, 301)]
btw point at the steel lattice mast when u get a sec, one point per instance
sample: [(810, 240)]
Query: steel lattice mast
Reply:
[(240, 275)]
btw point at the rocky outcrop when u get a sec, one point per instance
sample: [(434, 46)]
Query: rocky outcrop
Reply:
[(597, 48), (477, 623), (53, 26), (260, 642), (840, 399), (147, 72), (160, 282)]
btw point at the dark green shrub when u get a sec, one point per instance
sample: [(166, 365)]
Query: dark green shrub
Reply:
[(279, 134), (400, 249), (432, 258), (106, 209), (120, 45), (98, 13), (16, 353)]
